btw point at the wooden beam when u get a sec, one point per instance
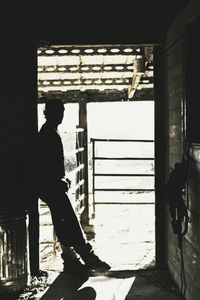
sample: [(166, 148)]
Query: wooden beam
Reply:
[(75, 96), (133, 87), (67, 83), (90, 50), (160, 156), (83, 124), (80, 82)]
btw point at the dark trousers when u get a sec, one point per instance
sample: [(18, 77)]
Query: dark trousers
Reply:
[(65, 221)]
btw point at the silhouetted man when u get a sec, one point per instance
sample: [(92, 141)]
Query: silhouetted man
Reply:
[(53, 187)]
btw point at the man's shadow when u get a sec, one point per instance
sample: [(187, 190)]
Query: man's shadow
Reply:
[(67, 287)]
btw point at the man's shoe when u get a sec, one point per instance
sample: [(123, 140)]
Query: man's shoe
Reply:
[(91, 260), (94, 263)]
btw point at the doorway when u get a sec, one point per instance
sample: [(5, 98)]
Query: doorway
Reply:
[(121, 182), (122, 77)]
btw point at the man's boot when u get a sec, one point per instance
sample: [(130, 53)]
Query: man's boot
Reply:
[(91, 260)]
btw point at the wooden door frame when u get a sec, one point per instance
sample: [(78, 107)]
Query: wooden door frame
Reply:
[(159, 98)]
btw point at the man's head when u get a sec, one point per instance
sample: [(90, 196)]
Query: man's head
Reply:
[(54, 111)]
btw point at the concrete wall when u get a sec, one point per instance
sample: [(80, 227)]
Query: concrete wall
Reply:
[(176, 104)]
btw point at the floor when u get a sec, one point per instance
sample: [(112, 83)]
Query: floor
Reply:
[(124, 237), (149, 284)]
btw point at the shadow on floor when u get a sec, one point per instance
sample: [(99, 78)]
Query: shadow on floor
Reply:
[(148, 284), (68, 287)]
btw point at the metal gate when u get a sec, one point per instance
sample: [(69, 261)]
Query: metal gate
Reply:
[(119, 158)]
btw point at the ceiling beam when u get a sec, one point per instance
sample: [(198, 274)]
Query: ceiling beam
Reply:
[(88, 82), (89, 50), (86, 68), (96, 96)]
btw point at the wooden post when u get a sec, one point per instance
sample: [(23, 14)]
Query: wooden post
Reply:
[(83, 124), (160, 149), (31, 136), (33, 229)]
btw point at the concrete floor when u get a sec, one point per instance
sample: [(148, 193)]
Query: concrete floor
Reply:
[(124, 237), (149, 284)]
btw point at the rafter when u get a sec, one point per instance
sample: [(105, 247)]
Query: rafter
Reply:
[(90, 50), (86, 68), (80, 82), (64, 69)]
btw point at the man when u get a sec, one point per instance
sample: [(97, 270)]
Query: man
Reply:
[(77, 254)]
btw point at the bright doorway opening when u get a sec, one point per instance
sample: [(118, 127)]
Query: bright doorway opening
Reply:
[(116, 84), (122, 197)]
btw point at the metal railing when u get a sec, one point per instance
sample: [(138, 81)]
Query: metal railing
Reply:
[(95, 174)]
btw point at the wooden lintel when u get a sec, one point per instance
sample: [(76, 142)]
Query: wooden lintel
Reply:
[(97, 96)]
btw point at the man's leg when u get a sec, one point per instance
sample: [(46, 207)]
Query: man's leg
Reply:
[(68, 230), (71, 236)]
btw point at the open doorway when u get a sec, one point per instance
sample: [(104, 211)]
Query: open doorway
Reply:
[(120, 76), (121, 177)]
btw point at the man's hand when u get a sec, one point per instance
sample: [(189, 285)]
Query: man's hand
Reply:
[(66, 183)]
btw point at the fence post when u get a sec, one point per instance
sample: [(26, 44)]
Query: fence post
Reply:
[(83, 124)]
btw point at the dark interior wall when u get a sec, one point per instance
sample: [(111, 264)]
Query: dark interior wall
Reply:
[(130, 21), (24, 25), (17, 112), (178, 103)]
